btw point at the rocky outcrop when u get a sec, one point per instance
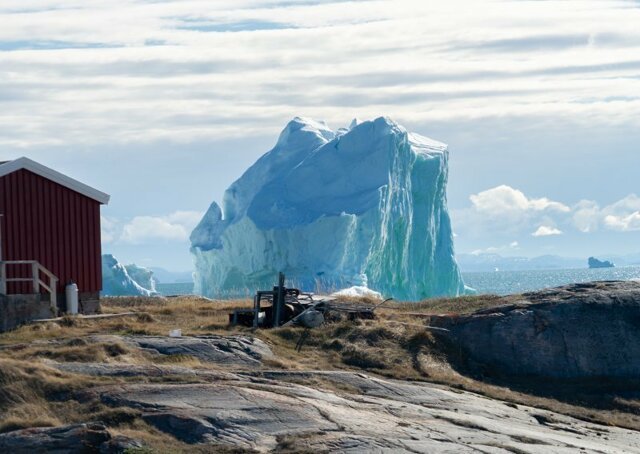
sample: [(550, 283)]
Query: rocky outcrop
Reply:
[(232, 350), (134, 370), (75, 438), (575, 331), (250, 408), (265, 410)]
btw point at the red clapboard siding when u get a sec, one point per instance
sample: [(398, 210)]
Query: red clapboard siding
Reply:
[(54, 225)]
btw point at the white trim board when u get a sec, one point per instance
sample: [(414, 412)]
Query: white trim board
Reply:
[(57, 177)]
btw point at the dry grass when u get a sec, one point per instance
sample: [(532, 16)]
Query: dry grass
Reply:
[(461, 305), (29, 392), (33, 394), (394, 345)]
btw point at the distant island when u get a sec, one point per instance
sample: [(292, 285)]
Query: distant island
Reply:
[(595, 263)]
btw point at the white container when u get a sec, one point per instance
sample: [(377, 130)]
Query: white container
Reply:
[(71, 292), (175, 333)]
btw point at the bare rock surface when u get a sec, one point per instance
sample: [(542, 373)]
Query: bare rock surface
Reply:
[(256, 410), (76, 438), (247, 407), (232, 350), (135, 370), (576, 331)]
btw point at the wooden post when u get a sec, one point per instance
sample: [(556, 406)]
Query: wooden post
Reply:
[(256, 310), (53, 282), (3, 266), (278, 301), (1, 216), (35, 274), (3, 278)]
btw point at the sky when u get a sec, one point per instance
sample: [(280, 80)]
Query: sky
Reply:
[(164, 103)]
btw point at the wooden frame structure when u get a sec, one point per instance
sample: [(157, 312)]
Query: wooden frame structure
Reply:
[(37, 283)]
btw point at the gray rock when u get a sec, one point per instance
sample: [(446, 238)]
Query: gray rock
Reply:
[(75, 438), (579, 330), (132, 370), (311, 319), (231, 350), (223, 350), (260, 410), (120, 444)]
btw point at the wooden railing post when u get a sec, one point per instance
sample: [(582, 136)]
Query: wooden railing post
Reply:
[(53, 283), (3, 278), (35, 273), (36, 269)]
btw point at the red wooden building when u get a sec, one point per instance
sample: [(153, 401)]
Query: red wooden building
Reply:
[(49, 233)]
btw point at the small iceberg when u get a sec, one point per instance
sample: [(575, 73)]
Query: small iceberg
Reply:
[(595, 263)]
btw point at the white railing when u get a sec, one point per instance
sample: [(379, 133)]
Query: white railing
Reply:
[(36, 269)]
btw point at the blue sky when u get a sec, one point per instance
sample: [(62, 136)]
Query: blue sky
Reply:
[(163, 104)]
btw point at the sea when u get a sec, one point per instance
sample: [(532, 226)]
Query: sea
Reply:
[(179, 288), (500, 282), (508, 282)]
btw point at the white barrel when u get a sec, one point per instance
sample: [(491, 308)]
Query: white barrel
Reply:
[(71, 292)]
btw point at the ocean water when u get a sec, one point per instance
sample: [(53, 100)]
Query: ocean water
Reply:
[(499, 282), (507, 282), (181, 288)]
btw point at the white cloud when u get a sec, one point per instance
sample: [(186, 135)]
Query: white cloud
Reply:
[(504, 212), (108, 226), (623, 207), (498, 214), (504, 209), (182, 70), (143, 229), (505, 200), (586, 216), (629, 223), (149, 229), (545, 230), (189, 219), (622, 215), (513, 246)]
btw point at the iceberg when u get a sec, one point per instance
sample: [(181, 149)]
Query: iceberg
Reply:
[(358, 292), (129, 280), (142, 276), (363, 206)]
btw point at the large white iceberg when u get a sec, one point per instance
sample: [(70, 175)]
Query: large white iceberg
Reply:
[(126, 280), (363, 206)]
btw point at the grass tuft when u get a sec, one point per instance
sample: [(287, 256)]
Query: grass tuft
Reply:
[(144, 317), (365, 359), (68, 321)]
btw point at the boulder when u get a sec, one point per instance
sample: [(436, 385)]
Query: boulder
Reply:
[(576, 331), (71, 439)]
